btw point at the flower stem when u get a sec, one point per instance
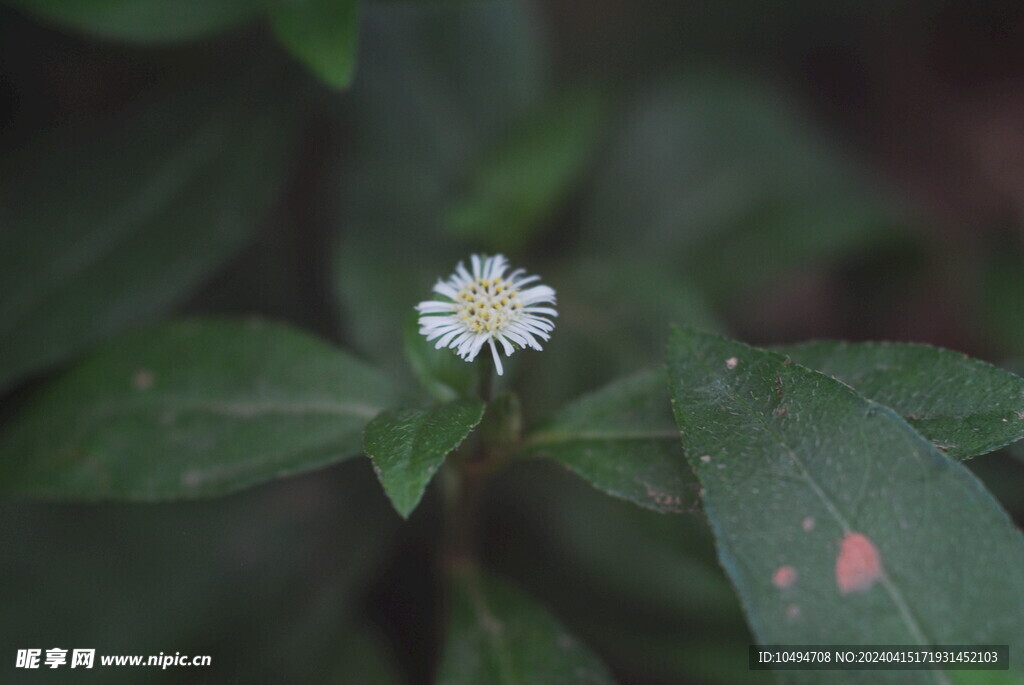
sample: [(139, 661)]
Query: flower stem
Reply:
[(463, 487), (464, 479), (486, 378)]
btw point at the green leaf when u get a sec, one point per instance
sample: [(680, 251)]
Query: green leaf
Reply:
[(623, 441), (142, 20), (444, 375), (521, 180), (191, 409), (497, 636), (408, 446), (963, 405), (105, 228), (835, 520), (321, 33)]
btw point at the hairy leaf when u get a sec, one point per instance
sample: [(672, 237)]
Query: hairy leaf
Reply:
[(408, 446), (965, 406), (836, 521)]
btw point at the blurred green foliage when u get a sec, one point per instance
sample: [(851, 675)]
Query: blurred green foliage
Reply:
[(324, 163), (142, 20), (108, 224)]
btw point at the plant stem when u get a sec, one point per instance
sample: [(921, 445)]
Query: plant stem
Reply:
[(463, 489), (465, 476), (486, 378)]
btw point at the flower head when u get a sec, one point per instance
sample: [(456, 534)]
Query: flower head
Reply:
[(484, 306)]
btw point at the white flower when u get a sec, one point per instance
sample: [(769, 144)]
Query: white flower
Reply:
[(485, 306)]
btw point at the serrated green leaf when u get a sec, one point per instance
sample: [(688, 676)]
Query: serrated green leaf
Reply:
[(321, 33), (498, 636), (142, 20), (835, 520), (442, 373), (965, 406), (623, 441), (104, 229), (191, 409), (408, 446), (519, 182)]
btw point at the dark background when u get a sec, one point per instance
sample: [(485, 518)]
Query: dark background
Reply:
[(885, 147)]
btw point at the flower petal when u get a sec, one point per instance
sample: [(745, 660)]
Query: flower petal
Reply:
[(497, 359), (435, 307)]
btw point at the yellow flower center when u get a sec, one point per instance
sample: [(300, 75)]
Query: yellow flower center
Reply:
[(488, 305)]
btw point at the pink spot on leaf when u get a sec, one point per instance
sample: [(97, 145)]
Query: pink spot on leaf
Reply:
[(731, 363), (664, 499), (858, 565), (807, 524), (784, 577), (142, 379)]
